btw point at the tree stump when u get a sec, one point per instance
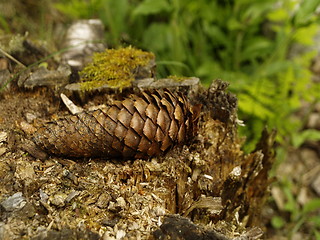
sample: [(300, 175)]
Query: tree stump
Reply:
[(205, 189)]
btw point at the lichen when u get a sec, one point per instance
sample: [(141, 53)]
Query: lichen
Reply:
[(114, 67)]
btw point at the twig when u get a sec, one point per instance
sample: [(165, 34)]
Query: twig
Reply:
[(12, 58)]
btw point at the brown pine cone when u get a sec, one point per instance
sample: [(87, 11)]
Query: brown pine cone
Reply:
[(137, 127)]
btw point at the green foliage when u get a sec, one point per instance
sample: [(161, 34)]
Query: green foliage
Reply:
[(78, 9)]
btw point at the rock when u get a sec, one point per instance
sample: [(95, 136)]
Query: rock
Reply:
[(14, 202), (44, 77), (83, 38)]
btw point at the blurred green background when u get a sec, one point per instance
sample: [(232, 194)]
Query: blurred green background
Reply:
[(264, 49)]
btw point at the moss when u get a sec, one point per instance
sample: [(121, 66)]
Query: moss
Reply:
[(114, 67)]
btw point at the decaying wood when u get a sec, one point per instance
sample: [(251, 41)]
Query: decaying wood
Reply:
[(137, 127)]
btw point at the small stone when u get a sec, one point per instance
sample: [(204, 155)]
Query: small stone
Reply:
[(133, 226), (14, 202)]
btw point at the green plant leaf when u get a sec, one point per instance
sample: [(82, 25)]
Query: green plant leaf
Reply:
[(315, 220), (251, 106), (256, 47), (255, 11), (312, 205), (306, 11), (158, 32), (309, 134), (304, 35), (277, 222), (215, 33), (234, 24), (278, 15), (149, 7), (275, 67)]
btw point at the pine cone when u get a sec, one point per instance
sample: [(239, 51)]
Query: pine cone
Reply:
[(137, 127)]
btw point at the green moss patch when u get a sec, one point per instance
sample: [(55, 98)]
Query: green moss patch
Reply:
[(114, 67)]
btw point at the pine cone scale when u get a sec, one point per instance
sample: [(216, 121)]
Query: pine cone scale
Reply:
[(132, 139), (164, 120), (128, 104), (140, 105), (159, 135), (105, 135), (137, 123), (152, 113), (144, 145), (173, 130), (120, 132), (149, 129), (113, 113)]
